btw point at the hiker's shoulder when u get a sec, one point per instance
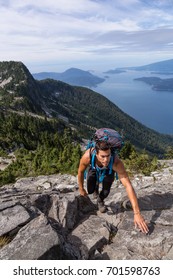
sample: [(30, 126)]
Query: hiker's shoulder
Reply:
[(116, 159), (87, 155)]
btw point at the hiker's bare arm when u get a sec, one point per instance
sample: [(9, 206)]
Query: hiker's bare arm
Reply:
[(123, 176), (84, 163)]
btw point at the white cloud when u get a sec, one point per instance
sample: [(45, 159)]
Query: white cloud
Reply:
[(73, 30)]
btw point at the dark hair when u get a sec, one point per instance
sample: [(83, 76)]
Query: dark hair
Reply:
[(102, 145)]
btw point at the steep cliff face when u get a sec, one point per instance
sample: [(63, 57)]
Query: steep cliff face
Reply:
[(18, 89), (45, 218)]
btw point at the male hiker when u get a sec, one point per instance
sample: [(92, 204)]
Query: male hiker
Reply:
[(103, 157)]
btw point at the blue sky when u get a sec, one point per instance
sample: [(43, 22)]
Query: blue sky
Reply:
[(54, 35)]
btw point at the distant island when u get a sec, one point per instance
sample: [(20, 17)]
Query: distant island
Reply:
[(115, 71), (72, 76), (158, 84), (162, 73), (162, 67)]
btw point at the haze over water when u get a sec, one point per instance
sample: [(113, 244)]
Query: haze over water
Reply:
[(152, 108)]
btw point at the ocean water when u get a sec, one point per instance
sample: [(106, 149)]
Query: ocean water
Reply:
[(152, 108)]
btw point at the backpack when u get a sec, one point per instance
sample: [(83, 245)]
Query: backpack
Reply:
[(114, 139)]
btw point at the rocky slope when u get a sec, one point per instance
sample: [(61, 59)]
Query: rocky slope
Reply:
[(45, 218)]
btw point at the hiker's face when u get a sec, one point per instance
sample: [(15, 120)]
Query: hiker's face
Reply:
[(104, 157)]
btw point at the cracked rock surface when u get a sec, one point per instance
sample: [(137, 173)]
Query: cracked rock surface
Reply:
[(45, 218)]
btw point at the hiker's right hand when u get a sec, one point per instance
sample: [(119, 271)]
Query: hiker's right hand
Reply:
[(140, 223), (83, 192)]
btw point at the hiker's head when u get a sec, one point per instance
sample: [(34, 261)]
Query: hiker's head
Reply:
[(103, 152), (102, 146)]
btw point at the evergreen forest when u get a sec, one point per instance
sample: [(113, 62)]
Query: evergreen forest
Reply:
[(40, 147)]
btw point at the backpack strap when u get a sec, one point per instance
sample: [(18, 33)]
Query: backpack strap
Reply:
[(90, 152), (93, 158), (100, 173)]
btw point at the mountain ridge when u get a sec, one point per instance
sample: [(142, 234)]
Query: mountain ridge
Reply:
[(82, 108)]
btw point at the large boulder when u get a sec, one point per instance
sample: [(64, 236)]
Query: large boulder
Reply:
[(33, 241)]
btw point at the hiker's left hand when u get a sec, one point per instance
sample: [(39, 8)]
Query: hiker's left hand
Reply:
[(140, 223)]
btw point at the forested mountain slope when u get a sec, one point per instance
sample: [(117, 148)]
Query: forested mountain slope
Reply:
[(79, 107)]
